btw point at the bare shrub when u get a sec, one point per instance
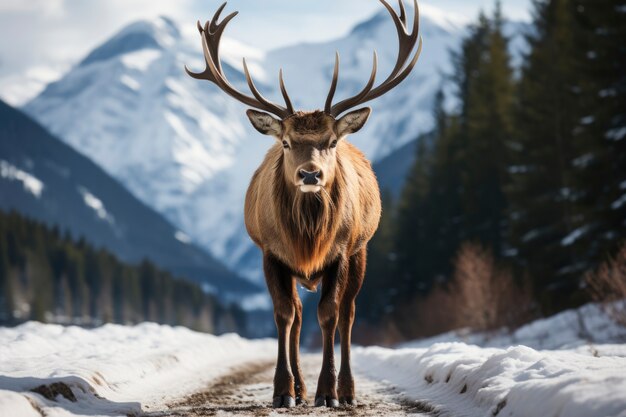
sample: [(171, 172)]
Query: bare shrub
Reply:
[(488, 296), (482, 295), (607, 285), (385, 333), (428, 315)]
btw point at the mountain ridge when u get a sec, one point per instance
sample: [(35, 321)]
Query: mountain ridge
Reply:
[(45, 179)]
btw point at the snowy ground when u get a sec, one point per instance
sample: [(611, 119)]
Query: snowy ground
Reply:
[(151, 370)]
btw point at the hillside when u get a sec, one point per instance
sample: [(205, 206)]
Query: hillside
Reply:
[(47, 180)]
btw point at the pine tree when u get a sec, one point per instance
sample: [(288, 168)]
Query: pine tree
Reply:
[(6, 282), (74, 282), (600, 162), (374, 297), (411, 236), (486, 92), (542, 191)]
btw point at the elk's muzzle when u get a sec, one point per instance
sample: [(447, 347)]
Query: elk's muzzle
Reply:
[(310, 178)]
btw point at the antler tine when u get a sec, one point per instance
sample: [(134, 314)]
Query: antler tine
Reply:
[(406, 44), (402, 12), (353, 101), (392, 83), (274, 108), (216, 16), (283, 90), (416, 18), (333, 86), (406, 41), (211, 35)]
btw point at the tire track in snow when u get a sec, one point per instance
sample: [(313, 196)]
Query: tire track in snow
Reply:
[(247, 391)]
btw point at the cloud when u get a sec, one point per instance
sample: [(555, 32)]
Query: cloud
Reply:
[(45, 7)]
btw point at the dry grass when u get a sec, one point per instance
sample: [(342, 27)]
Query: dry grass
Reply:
[(483, 295), (607, 285), (488, 296)]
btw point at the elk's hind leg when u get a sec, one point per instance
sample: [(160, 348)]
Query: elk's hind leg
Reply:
[(282, 290), (356, 274), (294, 351)]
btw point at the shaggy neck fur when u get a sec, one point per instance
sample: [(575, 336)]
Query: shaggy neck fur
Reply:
[(309, 221)]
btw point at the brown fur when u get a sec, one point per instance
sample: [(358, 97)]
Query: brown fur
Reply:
[(304, 230), (313, 238), (308, 122)]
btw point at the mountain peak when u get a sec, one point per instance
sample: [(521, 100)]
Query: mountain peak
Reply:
[(157, 33), (430, 17)]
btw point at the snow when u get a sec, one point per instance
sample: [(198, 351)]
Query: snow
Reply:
[(574, 236), (583, 329), (31, 184), (96, 205), (182, 237), (584, 160), (119, 370), (256, 302), (464, 380), (616, 134), (141, 60), (619, 202), (130, 82), (587, 120), (112, 369)]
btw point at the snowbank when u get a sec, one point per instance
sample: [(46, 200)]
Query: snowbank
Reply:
[(117, 370), (456, 379), (111, 370)]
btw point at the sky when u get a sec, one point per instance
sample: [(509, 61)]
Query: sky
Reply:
[(43, 38)]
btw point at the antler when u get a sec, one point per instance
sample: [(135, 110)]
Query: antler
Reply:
[(407, 43), (211, 35)]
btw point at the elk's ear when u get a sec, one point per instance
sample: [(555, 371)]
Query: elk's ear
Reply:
[(352, 122), (265, 123)]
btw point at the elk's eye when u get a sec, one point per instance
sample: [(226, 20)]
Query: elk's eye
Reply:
[(285, 144), (333, 144)]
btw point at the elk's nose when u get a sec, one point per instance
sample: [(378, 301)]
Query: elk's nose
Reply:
[(309, 178)]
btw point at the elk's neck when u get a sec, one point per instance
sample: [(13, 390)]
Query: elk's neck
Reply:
[(309, 222), (309, 214)]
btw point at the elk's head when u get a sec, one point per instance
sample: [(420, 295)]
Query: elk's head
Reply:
[(310, 140)]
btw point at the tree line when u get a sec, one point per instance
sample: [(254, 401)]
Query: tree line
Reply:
[(527, 175), (50, 276)]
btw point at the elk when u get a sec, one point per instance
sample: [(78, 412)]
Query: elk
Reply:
[(311, 207)]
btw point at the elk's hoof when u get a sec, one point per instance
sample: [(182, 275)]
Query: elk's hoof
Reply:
[(301, 401), (348, 401), (284, 401), (327, 401)]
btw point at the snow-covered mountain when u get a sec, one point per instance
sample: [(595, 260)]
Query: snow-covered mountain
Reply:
[(186, 149), (47, 180)]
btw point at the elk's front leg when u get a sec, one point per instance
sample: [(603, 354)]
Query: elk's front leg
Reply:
[(294, 352), (356, 274), (282, 290), (327, 314)]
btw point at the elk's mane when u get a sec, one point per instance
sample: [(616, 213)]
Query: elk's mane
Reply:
[(309, 221)]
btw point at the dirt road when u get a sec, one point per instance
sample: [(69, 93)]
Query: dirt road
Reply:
[(247, 391)]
